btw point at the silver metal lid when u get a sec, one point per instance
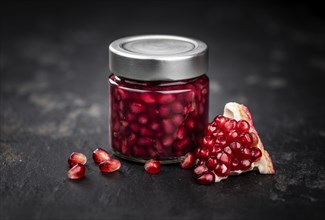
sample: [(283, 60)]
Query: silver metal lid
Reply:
[(158, 57)]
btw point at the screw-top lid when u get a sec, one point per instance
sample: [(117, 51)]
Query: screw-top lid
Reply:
[(158, 57)]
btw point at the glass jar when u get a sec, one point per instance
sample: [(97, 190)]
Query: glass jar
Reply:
[(158, 96)]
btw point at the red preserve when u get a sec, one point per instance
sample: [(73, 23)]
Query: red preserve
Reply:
[(158, 96)]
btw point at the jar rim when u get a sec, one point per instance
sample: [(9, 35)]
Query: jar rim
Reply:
[(158, 57)]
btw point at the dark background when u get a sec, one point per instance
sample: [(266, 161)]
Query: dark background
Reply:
[(54, 65)]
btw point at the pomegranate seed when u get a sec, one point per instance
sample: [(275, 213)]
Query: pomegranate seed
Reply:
[(76, 158), (132, 139), (206, 179), (246, 139), (154, 125), (190, 123), (135, 127), (137, 108), (188, 161), (256, 154), (143, 119), (164, 111), (229, 125), (243, 126), (227, 150), (218, 133), (130, 117), (212, 163), (221, 141), (199, 170), (165, 98), (235, 146), (224, 158), (152, 166), (204, 153), (109, 165), (220, 120), (147, 98), (146, 132), (234, 164), (177, 107), (100, 155), (245, 164), (145, 141), (77, 171), (216, 149), (167, 141), (182, 144), (180, 133), (222, 170), (232, 136), (168, 126), (177, 119), (210, 129), (245, 153), (208, 142)]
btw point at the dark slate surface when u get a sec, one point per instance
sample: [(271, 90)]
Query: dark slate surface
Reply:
[(54, 101)]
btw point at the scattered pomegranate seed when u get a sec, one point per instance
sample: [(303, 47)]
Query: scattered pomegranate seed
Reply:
[(76, 158), (100, 155), (77, 171), (206, 179), (152, 166), (109, 165), (188, 161)]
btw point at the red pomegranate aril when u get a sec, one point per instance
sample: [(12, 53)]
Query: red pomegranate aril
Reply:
[(188, 161), (235, 147), (143, 119), (229, 125), (220, 120), (100, 155), (211, 163), (144, 141), (152, 166), (222, 170), (135, 127), (164, 111), (109, 166), (206, 179), (232, 136), (218, 133), (243, 126), (132, 139), (210, 129), (147, 98), (215, 150), (177, 107), (204, 153), (146, 132), (167, 141), (165, 98), (234, 164), (224, 158), (208, 142), (130, 117), (190, 123), (168, 126), (76, 158), (245, 153), (180, 133), (182, 144), (137, 108), (256, 154), (245, 164), (77, 171), (199, 170), (227, 150), (177, 119), (246, 139), (154, 125), (221, 141)]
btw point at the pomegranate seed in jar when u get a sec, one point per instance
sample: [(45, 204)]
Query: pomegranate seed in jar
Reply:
[(152, 166)]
